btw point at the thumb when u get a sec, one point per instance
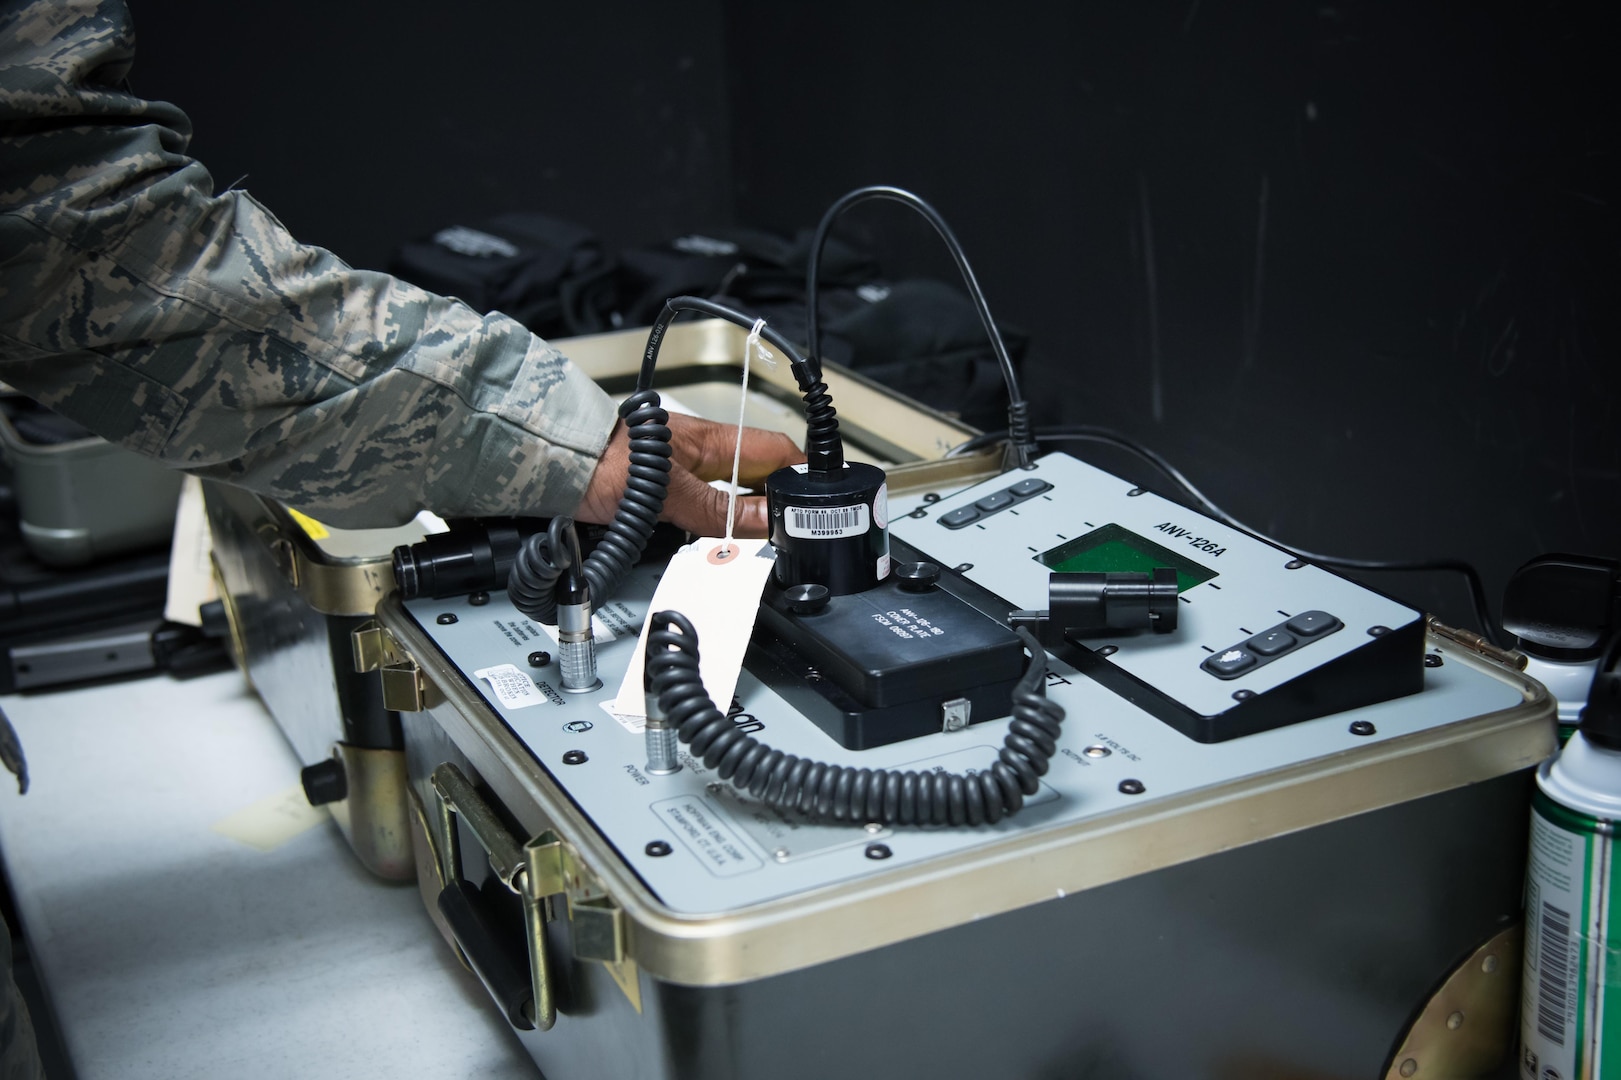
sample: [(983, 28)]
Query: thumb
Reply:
[(701, 509)]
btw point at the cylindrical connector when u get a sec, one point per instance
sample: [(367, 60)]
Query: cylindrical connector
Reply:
[(1093, 601), (661, 740), (576, 651)]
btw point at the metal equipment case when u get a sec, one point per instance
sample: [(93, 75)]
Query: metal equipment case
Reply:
[(1333, 898), (294, 591)]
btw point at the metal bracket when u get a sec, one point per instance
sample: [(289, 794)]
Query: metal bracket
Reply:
[(536, 870), (405, 687)]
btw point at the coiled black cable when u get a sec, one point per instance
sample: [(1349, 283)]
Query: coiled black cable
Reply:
[(842, 793), (824, 449), (541, 560)]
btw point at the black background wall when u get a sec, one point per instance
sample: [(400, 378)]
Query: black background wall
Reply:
[(1353, 267)]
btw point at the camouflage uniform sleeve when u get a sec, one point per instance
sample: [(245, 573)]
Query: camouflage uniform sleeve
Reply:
[(194, 329)]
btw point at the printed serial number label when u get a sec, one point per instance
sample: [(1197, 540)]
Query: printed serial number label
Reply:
[(515, 689), (828, 521)]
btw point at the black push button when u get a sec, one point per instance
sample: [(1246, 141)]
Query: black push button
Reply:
[(1271, 643), (959, 517), (1026, 488), (1311, 623), (992, 503), (1231, 662)]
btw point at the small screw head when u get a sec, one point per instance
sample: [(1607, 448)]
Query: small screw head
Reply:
[(1379, 631), (714, 788), (1243, 695), (1097, 751), (539, 658), (1408, 1067), (1294, 564), (878, 851), (1136, 491), (931, 497), (1107, 650), (658, 849), (1432, 659), (1132, 787), (963, 567), (781, 854), (479, 599), (1489, 964), (575, 757), (1362, 727), (873, 828), (1455, 1021), (446, 619)]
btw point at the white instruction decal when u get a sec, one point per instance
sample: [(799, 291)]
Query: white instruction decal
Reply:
[(515, 689)]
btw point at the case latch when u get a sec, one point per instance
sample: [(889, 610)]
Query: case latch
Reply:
[(405, 687)]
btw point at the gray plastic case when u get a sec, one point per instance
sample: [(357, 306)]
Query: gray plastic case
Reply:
[(88, 499)]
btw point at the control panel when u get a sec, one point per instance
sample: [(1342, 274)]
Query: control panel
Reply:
[(1262, 638)]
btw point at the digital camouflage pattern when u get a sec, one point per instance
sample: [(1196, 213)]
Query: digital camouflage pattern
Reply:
[(195, 329)]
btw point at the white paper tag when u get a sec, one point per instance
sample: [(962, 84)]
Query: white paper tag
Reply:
[(514, 688), (721, 596), (191, 577)]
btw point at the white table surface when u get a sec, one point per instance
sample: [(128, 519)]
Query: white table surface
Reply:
[(171, 951)]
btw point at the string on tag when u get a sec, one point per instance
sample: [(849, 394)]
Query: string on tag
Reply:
[(750, 348)]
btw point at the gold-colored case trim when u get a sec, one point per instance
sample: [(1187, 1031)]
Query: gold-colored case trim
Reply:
[(1022, 869)]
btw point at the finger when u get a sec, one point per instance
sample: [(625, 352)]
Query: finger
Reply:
[(706, 448), (698, 508)]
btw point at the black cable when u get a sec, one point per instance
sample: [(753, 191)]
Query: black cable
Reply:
[(543, 558), (1110, 437), (1018, 411), (842, 793), (824, 449)]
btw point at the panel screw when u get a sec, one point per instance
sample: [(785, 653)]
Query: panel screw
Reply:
[(918, 513), (1489, 964), (539, 658), (714, 788), (1408, 1067), (781, 854), (1362, 727), (878, 851), (963, 567), (479, 599), (1294, 564), (874, 828), (575, 757), (658, 849), (1243, 695), (1136, 491), (446, 619), (1432, 659), (1379, 631), (1097, 751), (931, 497), (1455, 1021), (1107, 650), (1132, 787)]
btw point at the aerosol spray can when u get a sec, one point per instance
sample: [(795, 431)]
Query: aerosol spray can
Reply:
[(1570, 1013)]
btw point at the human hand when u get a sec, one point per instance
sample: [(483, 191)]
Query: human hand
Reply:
[(701, 451)]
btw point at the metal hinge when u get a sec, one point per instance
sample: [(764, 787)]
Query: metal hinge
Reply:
[(405, 687)]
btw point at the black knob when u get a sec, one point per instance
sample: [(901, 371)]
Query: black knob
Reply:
[(806, 599), (917, 576), (325, 782)]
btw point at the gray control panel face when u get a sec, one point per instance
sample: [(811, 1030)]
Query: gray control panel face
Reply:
[(1251, 615), (727, 852)]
